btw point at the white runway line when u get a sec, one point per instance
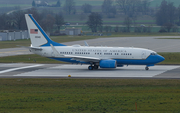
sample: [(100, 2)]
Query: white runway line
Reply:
[(14, 69)]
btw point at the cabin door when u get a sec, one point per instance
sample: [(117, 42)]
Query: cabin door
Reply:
[(143, 55)]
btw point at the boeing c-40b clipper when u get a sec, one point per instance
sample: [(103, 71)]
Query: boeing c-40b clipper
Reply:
[(96, 57)]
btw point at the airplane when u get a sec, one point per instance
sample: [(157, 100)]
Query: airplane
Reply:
[(95, 57)]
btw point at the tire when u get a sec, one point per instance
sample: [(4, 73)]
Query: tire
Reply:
[(96, 67), (90, 67), (146, 68)]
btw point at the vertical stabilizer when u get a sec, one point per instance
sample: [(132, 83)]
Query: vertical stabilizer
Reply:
[(37, 35)]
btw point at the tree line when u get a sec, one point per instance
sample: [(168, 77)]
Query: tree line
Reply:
[(167, 16), (46, 18), (108, 7)]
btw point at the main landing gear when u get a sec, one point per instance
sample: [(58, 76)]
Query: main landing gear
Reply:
[(146, 68), (93, 67)]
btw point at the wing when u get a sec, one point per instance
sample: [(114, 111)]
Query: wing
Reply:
[(83, 58), (77, 58)]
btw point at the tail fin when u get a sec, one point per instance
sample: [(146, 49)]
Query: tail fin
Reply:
[(37, 35)]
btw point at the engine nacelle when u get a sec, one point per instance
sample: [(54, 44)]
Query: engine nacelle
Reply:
[(108, 64)]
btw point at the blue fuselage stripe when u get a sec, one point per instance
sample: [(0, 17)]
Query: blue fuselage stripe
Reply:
[(150, 60)]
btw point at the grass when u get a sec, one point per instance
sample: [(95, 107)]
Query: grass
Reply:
[(89, 95), (169, 38), (33, 58), (171, 58)]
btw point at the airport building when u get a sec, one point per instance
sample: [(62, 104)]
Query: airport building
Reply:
[(13, 35), (72, 31)]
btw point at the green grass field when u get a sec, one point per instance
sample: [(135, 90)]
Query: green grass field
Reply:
[(171, 58), (89, 95)]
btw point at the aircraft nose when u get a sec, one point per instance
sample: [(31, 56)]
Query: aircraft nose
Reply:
[(161, 58)]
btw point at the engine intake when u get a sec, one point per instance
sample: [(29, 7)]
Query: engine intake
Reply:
[(108, 64)]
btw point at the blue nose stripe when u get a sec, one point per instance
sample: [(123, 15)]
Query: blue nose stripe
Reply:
[(160, 58)]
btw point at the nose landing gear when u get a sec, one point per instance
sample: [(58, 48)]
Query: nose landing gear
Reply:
[(146, 68)]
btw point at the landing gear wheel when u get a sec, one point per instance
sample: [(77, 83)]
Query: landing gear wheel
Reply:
[(96, 67), (146, 68), (90, 67)]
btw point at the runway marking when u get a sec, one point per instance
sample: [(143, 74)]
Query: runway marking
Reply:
[(14, 69)]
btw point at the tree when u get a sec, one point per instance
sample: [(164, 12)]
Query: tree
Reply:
[(86, 8), (58, 4), (108, 8), (178, 15), (127, 23), (116, 29), (123, 5), (168, 26), (33, 4), (47, 23), (19, 19), (94, 21), (6, 22), (130, 7), (175, 28), (145, 6), (35, 14), (59, 21), (166, 13), (69, 7), (107, 28)]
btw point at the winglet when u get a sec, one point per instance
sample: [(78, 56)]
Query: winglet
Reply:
[(86, 44)]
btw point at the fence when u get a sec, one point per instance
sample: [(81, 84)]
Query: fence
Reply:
[(5, 36)]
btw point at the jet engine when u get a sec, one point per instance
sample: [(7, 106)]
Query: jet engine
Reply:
[(108, 64)]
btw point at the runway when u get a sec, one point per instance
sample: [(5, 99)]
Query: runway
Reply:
[(22, 70)]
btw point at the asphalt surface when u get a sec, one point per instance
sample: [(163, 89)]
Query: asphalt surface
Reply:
[(25, 70), (156, 43)]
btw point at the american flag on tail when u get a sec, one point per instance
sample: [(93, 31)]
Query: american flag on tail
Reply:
[(34, 31)]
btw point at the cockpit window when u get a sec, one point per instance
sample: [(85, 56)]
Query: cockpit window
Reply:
[(153, 53)]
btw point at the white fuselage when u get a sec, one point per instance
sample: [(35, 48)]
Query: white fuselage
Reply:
[(98, 52)]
